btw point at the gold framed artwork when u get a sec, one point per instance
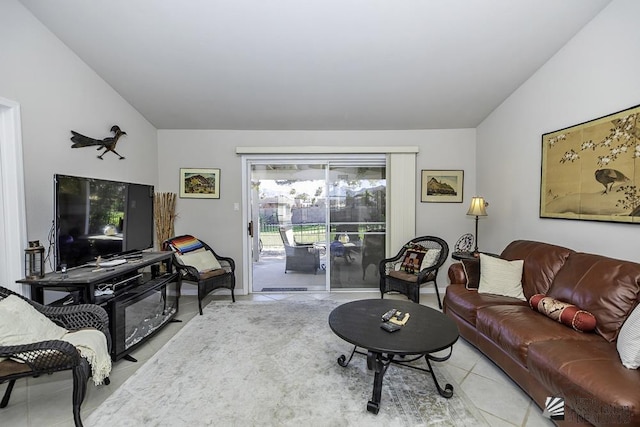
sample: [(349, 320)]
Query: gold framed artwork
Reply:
[(442, 186), (589, 170), (200, 183)]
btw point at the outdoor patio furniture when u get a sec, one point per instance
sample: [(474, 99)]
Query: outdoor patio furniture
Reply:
[(299, 257), (372, 250)]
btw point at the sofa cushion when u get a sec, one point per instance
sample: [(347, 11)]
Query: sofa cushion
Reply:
[(542, 261), (628, 343), (606, 287), (513, 328), (501, 277), (471, 269), (202, 260), (567, 314), (466, 302), (590, 377)]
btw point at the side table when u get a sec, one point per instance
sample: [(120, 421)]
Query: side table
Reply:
[(459, 256)]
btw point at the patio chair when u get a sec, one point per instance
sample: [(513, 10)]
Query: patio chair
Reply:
[(46, 357), (197, 262), (372, 250), (299, 257), (417, 263)]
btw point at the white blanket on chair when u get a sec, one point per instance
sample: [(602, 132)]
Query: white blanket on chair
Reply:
[(21, 323), (92, 345)]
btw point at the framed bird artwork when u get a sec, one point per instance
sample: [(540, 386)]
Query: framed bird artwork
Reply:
[(589, 170), (107, 144)]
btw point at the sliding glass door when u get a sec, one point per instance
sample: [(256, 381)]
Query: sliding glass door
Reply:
[(288, 224), (357, 223), (316, 224)]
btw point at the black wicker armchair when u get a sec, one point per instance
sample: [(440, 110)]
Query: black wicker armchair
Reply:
[(219, 274), (406, 271), (52, 356)]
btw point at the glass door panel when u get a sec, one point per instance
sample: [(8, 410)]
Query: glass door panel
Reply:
[(288, 214), (357, 218)]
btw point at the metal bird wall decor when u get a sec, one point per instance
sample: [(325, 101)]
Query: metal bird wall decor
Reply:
[(108, 143)]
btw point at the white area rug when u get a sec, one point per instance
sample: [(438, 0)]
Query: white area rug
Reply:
[(272, 364)]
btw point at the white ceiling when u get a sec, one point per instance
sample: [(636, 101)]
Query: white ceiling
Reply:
[(315, 64)]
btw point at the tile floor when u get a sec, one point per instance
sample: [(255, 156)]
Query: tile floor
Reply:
[(46, 401)]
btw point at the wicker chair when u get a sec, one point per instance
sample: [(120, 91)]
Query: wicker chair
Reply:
[(397, 273), (215, 276), (47, 357), (372, 250), (298, 256)]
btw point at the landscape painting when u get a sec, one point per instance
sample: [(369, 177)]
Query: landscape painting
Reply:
[(442, 186), (589, 171), (200, 183)]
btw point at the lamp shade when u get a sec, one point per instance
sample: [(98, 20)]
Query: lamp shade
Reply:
[(477, 207)]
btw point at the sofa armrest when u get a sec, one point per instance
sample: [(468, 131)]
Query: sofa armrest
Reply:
[(457, 274)]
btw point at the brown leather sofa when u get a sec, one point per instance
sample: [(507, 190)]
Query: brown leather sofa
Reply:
[(544, 357)]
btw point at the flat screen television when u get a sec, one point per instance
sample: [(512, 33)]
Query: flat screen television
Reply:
[(96, 217)]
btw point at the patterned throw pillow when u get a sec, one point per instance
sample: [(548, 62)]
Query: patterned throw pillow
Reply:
[(567, 314), (413, 260)]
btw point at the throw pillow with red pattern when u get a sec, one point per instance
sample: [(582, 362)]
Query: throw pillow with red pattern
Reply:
[(567, 314)]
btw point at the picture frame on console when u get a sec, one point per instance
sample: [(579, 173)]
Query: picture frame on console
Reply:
[(441, 186), (588, 170), (199, 183)]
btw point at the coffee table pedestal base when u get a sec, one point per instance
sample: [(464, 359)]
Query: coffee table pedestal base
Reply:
[(379, 363)]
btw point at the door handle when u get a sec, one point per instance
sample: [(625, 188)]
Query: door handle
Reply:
[(250, 228)]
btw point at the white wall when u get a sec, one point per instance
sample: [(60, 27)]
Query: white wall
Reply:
[(58, 92), (218, 224), (595, 74)]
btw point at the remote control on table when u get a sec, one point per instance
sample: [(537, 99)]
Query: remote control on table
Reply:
[(389, 314), (390, 327)]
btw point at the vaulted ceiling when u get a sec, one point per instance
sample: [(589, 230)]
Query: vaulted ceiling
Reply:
[(315, 64)]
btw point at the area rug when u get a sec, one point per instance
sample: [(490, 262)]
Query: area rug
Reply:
[(272, 364)]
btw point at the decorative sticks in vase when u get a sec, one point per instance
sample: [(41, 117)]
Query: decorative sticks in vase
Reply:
[(164, 212)]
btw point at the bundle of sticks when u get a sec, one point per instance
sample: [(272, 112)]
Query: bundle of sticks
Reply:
[(164, 212)]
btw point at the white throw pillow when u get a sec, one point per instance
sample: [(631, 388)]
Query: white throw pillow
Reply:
[(501, 277), (430, 258), (628, 343), (201, 260), (21, 323)]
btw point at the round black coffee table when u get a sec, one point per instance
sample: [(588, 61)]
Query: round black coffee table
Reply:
[(426, 332)]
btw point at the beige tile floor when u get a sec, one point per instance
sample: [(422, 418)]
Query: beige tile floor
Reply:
[(46, 401)]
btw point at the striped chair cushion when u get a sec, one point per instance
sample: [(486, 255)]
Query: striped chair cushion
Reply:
[(186, 244)]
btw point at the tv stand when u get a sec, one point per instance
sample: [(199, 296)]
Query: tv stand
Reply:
[(141, 296)]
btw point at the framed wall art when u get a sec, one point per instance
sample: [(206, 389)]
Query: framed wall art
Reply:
[(589, 170), (200, 183), (442, 186)]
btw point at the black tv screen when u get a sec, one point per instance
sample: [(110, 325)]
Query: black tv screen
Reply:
[(95, 217)]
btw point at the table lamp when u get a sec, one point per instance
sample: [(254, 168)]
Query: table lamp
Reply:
[(477, 209)]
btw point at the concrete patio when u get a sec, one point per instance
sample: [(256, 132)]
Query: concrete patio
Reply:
[(269, 274)]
